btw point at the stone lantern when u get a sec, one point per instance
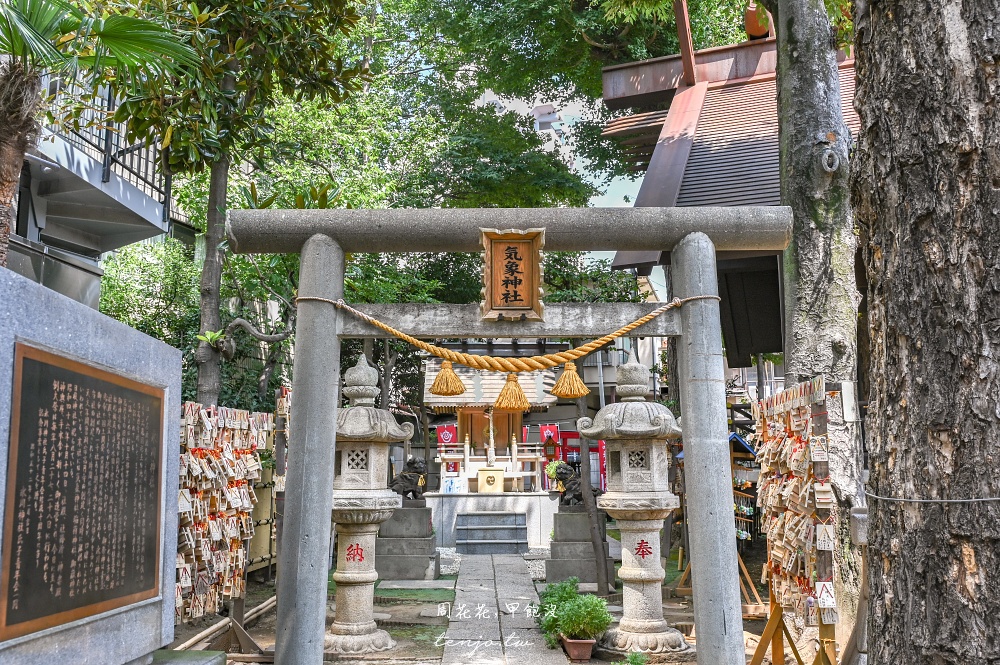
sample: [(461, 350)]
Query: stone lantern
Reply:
[(635, 433), (361, 501)]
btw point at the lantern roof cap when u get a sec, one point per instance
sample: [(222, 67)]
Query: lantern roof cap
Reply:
[(633, 417), (361, 421)]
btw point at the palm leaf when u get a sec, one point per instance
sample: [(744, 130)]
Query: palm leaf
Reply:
[(27, 29), (133, 43)]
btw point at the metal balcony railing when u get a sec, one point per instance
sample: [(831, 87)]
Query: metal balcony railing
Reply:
[(105, 142)]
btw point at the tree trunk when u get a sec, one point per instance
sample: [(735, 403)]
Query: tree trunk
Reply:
[(821, 299), (20, 100), (389, 357), (671, 361), (927, 192), (209, 358), (11, 159), (274, 352), (590, 504)]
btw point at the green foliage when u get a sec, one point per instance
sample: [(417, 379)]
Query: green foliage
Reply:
[(839, 12), (774, 358), (212, 338), (153, 287), (550, 469), (495, 160), (249, 55), (575, 277), (633, 658), (81, 37), (583, 618), (551, 599)]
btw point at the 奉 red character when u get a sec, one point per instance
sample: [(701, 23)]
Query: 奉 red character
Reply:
[(642, 549)]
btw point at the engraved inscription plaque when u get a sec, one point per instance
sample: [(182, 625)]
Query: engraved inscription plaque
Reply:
[(82, 520)]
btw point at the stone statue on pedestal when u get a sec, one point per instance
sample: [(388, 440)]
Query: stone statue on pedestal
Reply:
[(410, 483)]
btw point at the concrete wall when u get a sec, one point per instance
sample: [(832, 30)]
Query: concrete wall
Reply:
[(34, 314), (538, 506)]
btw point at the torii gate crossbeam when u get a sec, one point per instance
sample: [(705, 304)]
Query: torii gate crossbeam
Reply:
[(323, 236)]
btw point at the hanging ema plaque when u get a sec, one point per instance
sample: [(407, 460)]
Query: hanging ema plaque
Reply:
[(512, 274), (81, 529)]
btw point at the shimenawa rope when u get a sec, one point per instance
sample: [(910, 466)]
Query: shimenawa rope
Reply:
[(496, 364)]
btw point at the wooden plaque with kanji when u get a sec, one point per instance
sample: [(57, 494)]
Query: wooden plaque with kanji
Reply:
[(512, 274)]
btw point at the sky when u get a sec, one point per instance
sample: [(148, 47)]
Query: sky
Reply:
[(616, 192)]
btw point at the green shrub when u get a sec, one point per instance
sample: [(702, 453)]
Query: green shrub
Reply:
[(550, 600), (583, 618), (634, 658)]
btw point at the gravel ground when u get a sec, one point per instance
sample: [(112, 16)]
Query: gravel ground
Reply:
[(450, 560), (537, 566)]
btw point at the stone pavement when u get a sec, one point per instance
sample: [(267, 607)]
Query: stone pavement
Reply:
[(489, 622)]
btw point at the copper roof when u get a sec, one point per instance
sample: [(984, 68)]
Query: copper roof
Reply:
[(734, 157)]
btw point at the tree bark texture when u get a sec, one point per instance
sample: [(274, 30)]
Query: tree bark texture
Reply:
[(927, 193), (208, 357), (821, 298), (20, 101), (11, 159)]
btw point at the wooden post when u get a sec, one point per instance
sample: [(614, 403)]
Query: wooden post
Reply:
[(684, 40), (824, 558)]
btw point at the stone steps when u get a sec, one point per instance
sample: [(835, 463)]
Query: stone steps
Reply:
[(491, 518), (492, 546), (491, 532)]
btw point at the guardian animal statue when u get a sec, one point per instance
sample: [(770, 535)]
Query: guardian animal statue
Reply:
[(572, 494), (410, 483)]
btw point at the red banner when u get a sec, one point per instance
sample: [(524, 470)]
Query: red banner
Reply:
[(549, 432), (447, 434)]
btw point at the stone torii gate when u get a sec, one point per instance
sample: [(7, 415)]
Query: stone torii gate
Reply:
[(323, 236)]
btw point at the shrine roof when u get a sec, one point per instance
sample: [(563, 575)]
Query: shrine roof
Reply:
[(482, 388)]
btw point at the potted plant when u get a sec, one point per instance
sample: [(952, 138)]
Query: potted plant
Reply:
[(581, 621), (550, 602), (550, 471)]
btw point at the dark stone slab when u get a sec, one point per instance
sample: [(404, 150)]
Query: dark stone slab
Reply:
[(575, 550), (407, 566), (575, 527), (411, 546), (407, 523), (557, 570)]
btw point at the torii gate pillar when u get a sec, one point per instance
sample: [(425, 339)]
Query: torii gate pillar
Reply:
[(718, 615), (305, 543), (322, 237)]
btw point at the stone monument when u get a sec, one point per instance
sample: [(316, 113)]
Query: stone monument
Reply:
[(89, 425), (405, 545), (636, 432), (361, 502)]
